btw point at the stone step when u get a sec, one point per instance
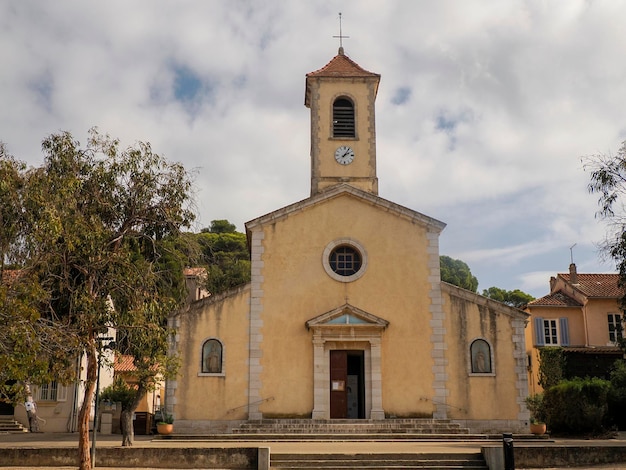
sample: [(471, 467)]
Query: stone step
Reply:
[(312, 430), (9, 425), (388, 426), (304, 437), (378, 461)]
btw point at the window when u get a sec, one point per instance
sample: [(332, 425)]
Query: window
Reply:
[(480, 354), (52, 391), (551, 332), (212, 357), (615, 327), (345, 260), (343, 118)]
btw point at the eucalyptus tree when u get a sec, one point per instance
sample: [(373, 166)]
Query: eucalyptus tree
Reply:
[(608, 180), (99, 221), (33, 347)]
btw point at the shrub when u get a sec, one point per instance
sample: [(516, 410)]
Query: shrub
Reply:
[(119, 392), (537, 408), (617, 395), (577, 406), (166, 419), (552, 363)]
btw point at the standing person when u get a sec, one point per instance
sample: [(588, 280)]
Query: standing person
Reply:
[(31, 412)]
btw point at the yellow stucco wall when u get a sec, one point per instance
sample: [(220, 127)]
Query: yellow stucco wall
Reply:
[(362, 93), (395, 287), (596, 311), (210, 397), (472, 396)]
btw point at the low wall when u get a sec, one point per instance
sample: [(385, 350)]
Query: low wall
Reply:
[(247, 458), (556, 456)]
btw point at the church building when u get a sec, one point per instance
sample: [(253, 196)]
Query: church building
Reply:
[(346, 316)]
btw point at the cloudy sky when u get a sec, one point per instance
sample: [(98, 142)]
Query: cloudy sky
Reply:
[(483, 112)]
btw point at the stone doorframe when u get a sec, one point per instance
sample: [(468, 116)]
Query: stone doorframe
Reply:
[(347, 328)]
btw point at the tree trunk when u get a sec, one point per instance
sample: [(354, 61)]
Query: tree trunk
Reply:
[(84, 452), (126, 419), (126, 423)]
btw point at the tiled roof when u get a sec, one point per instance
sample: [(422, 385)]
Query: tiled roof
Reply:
[(612, 350), (124, 363), (342, 66), (194, 272), (557, 299), (597, 285), (10, 275)]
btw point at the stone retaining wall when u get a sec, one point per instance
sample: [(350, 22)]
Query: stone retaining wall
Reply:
[(556, 456), (223, 458)]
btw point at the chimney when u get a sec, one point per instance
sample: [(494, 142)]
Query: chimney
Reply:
[(552, 283), (573, 275)]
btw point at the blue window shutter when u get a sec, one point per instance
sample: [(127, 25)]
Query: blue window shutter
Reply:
[(564, 326), (540, 338)]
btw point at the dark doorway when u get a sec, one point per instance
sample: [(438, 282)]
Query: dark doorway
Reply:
[(347, 385), (6, 408)]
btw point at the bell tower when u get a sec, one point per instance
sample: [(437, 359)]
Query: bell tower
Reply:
[(341, 97)]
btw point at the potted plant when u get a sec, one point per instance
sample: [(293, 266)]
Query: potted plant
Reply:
[(535, 405), (166, 424)]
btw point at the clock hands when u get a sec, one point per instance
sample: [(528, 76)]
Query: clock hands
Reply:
[(344, 155)]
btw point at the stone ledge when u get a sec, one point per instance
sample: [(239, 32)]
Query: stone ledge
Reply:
[(245, 458), (551, 456)]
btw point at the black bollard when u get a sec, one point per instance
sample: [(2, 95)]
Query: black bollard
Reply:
[(507, 444)]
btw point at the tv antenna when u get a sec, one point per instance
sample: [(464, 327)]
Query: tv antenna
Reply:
[(571, 253)]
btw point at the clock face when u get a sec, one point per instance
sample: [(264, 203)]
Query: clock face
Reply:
[(344, 155)]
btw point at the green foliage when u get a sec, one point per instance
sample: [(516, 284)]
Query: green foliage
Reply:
[(617, 395), (221, 226), (98, 234), (608, 178), (577, 406), (166, 419), (119, 392), (12, 182), (34, 348), (552, 362), (457, 272), (536, 407), (514, 298), (227, 259)]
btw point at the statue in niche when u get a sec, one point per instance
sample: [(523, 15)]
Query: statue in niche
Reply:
[(212, 357), (481, 357)]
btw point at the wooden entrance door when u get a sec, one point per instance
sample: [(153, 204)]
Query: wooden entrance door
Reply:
[(338, 384)]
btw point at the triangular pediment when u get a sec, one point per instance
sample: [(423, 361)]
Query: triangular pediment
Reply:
[(345, 190), (349, 316)]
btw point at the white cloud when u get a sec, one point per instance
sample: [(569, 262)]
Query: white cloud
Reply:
[(524, 87)]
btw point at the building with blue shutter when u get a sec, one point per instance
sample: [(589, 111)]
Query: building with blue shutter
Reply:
[(581, 315)]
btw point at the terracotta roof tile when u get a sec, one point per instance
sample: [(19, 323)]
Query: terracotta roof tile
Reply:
[(124, 363), (342, 66), (611, 350), (194, 272), (557, 299), (597, 285), (10, 275)]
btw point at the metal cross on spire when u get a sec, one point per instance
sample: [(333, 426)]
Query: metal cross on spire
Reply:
[(341, 36)]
